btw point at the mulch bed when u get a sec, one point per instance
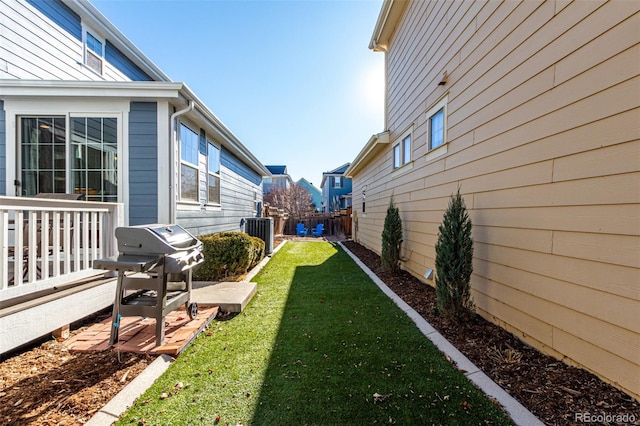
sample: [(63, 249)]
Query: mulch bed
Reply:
[(555, 392), (48, 385)]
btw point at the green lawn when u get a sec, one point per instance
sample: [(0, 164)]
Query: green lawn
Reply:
[(319, 344)]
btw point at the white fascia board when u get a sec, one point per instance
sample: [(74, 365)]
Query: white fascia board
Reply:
[(80, 89), (229, 140), (390, 14), (373, 146)]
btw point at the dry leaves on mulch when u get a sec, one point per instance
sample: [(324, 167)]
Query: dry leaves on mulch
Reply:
[(550, 389), (48, 385)]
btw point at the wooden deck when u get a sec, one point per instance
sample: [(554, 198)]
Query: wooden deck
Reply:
[(137, 334)]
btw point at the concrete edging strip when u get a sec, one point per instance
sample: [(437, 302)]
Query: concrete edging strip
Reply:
[(518, 412), (119, 404)]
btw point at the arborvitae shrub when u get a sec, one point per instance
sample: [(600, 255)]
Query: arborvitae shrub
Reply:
[(391, 239), (454, 261), (228, 254)]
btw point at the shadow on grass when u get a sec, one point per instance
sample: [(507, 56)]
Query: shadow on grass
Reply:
[(345, 354)]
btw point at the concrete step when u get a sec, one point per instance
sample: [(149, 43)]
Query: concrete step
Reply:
[(229, 296)]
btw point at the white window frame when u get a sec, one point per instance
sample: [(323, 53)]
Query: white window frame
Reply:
[(121, 190), (400, 148), (337, 182), (211, 175), (86, 51), (435, 109), (186, 163)]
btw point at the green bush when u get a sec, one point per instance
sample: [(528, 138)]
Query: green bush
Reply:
[(257, 251), (228, 254), (454, 261), (391, 239)]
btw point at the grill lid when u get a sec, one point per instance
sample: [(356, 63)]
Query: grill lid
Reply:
[(155, 239)]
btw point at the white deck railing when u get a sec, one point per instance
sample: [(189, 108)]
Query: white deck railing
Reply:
[(46, 242)]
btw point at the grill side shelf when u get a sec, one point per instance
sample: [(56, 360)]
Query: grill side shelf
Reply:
[(128, 263)]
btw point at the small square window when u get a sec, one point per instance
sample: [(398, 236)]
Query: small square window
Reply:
[(93, 52), (94, 44)]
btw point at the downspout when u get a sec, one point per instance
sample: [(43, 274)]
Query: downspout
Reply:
[(174, 143)]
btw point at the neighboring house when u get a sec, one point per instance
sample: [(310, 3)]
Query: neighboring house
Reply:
[(279, 179), (532, 110), (83, 111), (336, 190), (316, 194), (87, 112)]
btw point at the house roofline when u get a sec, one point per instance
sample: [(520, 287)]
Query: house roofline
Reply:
[(374, 145), (88, 12), (390, 14), (333, 172), (178, 94), (233, 143)]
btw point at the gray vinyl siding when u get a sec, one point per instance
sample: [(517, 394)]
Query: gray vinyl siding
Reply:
[(238, 167), (239, 187), (3, 150), (143, 163)]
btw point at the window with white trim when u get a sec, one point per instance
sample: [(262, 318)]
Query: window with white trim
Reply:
[(437, 123), (83, 162), (213, 173), (402, 150), (337, 182), (93, 52), (189, 141)]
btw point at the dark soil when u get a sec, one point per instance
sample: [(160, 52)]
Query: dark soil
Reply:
[(555, 392)]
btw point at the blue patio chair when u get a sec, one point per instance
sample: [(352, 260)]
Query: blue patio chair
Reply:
[(318, 231), (301, 231)]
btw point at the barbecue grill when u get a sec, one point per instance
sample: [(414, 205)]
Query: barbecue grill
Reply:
[(154, 273)]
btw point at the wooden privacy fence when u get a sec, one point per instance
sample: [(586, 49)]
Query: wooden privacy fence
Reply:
[(335, 223)]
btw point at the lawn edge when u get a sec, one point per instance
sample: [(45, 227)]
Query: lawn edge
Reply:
[(518, 412), (125, 399)]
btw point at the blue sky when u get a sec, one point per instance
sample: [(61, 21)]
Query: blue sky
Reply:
[(294, 80)]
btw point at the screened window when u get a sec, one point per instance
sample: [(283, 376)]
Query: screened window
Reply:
[(94, 52), (213, 166), (436, 129), (189, 164)]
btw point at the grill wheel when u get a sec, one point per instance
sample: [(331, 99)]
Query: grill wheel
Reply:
[(192, 310)]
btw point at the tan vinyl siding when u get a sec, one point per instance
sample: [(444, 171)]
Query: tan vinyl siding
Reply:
[(543, 137)]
